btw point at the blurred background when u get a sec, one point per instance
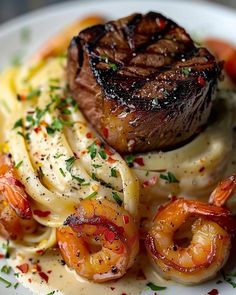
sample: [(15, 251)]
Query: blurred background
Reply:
[(12, 8)]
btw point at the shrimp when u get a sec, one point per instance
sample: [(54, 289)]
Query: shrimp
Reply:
[(208, 249), (15, 211), (100, 240), (223, 191)]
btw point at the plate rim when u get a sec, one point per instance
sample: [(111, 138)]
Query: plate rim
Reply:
[(41, 13)]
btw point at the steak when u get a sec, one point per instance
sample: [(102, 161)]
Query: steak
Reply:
[(142, 82)]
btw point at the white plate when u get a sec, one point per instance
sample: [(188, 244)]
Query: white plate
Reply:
[(200, 19)]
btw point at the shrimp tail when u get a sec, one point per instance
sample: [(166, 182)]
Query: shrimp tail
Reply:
[(223, 191)]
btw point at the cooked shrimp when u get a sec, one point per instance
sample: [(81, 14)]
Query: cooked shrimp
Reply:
[(223, 191), (100, 241), (15, 212), (208, 249)]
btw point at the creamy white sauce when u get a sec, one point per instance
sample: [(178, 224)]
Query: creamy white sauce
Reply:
[(66, 282)]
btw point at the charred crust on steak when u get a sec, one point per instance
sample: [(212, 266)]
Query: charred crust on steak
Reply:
[(140, 70)]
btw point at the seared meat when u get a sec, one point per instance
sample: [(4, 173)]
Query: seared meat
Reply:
[(142, 82)]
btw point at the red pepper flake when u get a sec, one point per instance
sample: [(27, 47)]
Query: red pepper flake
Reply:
[(89, 135), (105, 132), (201, 81), (111, 160), (126, 219), (123, 294), (41, 251), (109, 236), (49, 271), (213, 292), (161, 23), (152, 181), (201, 169), (108, 151), (1, 256), (30, 280), (139, 161), (38, 267), (98, 142), (24, 268), (37, 129), (40, 213), (43, 276)]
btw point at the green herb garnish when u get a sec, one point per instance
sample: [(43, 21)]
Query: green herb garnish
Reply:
[(17, 166), (69, 163), (6, 249), (113, 172), (96, 166), (91, 196), (102, 154), (33, 94), (169, 177), (80, 180), (92, 149), (229, 278), (130, 159), (7, 283), (186, 71), (117, 198), (57, 156), (6, 269), (62, 172), (154, 287), (18, 123)]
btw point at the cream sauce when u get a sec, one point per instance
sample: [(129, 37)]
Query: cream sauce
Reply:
[(64, 281)]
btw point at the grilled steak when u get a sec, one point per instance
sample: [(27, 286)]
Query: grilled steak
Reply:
[(142, 82)]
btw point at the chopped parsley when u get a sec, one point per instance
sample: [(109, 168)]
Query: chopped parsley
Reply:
[(16, 285), (33, 94), (169, 177), (6, 269), (80, 180), (92, 149), (17, 166), (62, 172), (113, 172), (154, 287), (69, 163), (229, 278), (112, 65), (6, 249), (91, 196), (94, 177), (186, 71), (51, 293), (117, 198), (130, 159), (7, 283), (102, 154), (57, 156), (18, 123), (96, 166)]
